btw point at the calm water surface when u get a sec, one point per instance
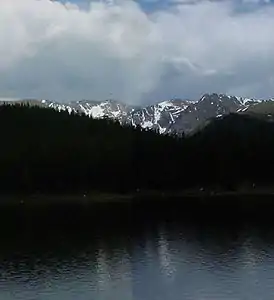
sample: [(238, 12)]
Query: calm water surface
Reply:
[(148, 259)]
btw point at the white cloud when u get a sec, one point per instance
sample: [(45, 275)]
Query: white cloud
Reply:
[(48, 50)]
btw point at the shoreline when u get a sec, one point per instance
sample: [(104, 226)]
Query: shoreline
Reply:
[(107, 209), (129, 198)]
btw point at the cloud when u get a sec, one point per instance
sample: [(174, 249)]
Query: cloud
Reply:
[(114, 49)]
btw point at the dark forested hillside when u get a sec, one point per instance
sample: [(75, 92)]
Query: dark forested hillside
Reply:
[(232, 152), (45, 151)]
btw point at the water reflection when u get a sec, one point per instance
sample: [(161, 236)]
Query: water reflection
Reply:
[(113, 274), (205, 263), (166, 262), (85, 267), (157, 260)]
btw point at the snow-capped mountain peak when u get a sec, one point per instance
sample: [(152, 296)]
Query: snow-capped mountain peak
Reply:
[(175, 115), (160, 116)]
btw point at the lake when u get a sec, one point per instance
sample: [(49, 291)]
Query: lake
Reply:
[(126, 255)]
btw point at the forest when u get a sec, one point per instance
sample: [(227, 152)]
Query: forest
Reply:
[(45, 151)]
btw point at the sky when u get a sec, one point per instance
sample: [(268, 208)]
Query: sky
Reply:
[(138, 52)]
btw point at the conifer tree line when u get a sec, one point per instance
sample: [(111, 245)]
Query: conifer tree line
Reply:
[(45, 151)]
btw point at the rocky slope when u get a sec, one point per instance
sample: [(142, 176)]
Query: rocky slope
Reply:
[(175, 115)]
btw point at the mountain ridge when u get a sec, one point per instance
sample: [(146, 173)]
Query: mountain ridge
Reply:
[(169, 116)]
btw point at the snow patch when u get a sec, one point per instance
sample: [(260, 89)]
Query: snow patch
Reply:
[(115, 114), (97, 111), (69, 109), (245, 101), (147, 124), (171, 117), (203, 98), (164, 104), (157, 115), (161, 129)]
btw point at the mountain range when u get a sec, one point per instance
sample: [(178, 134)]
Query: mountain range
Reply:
[(175, 115)]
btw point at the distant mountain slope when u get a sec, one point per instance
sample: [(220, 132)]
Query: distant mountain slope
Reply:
[(265, 107), (161, 116), (175, 115)]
